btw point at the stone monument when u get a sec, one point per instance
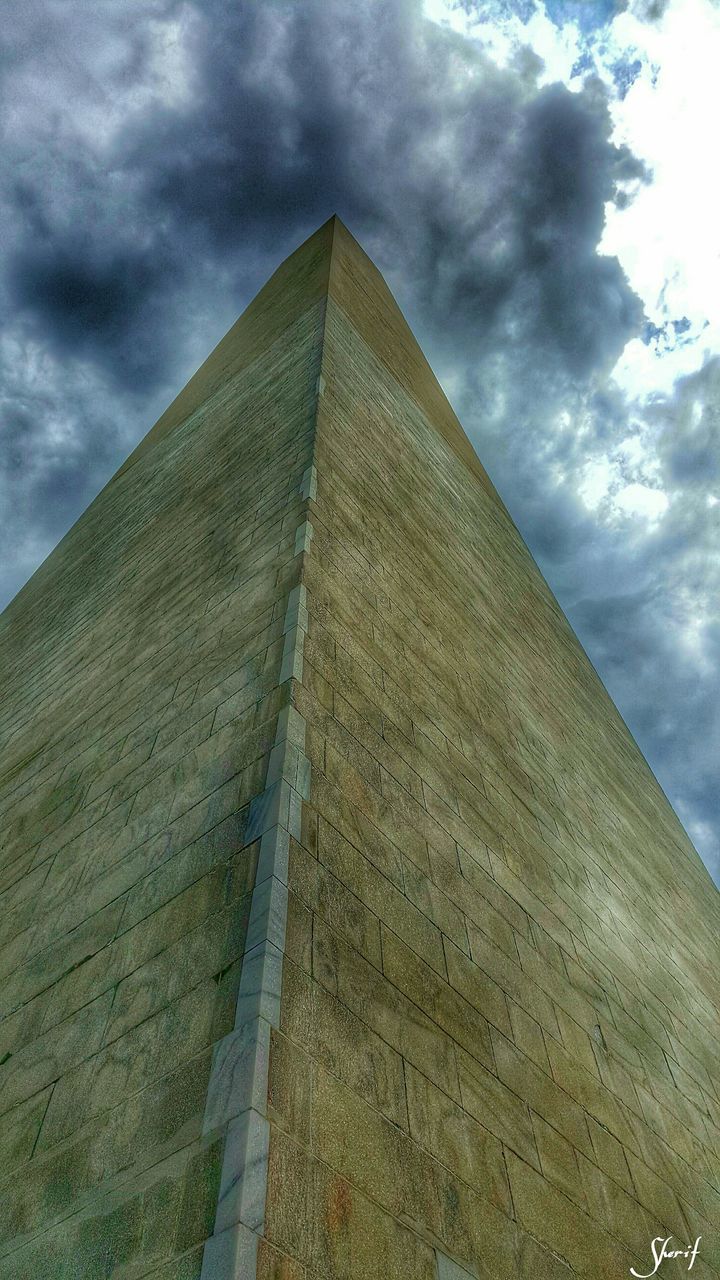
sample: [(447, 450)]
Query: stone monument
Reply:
[(345, 933)]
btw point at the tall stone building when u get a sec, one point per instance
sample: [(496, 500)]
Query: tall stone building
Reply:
[(345, 933)]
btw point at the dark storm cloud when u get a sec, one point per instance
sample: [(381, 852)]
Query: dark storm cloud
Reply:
[(667, 691), (690, 439), (163, 157), (93, 300), (647, 607), (296, 112), (519, 252), (55, 453)]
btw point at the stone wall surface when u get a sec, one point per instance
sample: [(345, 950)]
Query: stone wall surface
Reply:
[(345, 933), (499, 1012), (139, 708)]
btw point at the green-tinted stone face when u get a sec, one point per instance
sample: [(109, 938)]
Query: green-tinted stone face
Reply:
[(138, 709), (495, 1051)]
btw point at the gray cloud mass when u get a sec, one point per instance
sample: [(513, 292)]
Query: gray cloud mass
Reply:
[(161, 158)]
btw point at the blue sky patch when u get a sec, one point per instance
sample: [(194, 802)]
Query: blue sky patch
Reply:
[(589, 14)]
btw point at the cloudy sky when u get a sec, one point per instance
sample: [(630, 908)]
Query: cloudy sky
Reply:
[(536, 182)]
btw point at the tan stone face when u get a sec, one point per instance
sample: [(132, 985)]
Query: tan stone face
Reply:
[(336, 935)]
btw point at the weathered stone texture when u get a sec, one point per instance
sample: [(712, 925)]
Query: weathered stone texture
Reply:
[(501, 1044), (496, 1048), (139, 708)]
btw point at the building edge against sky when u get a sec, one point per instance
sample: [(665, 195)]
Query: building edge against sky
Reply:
[(345, 931)]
